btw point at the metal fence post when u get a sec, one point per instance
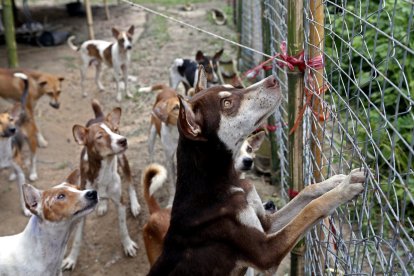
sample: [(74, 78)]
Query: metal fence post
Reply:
[(295, 104), (10, 33)]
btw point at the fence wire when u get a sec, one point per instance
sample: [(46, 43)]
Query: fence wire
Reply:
[(368, 47)]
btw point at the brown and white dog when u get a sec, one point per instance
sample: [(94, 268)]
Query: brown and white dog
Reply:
[(103, 147), (8, 129), (115, 55), (40, 83), (186, 70), (213, 229), (39, 249), (163, 124)]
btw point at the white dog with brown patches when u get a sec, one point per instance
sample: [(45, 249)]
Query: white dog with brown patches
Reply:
[(39, 249), (113, 54), (98, 166)]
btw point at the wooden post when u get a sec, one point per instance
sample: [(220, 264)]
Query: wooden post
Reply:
[(10, 35), (89, 19), (295, 104), (316, 48), (271, 121)]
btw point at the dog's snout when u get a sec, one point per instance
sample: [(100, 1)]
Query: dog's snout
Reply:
[(12, 130), (247, 162), (271, 82), (91, 195), (123, 142), (269, 206), (129, 47), (55, 104)]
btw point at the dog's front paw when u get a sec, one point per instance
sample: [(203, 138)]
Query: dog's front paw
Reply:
[(68, 263), (102, 207), (135, 208), (353, 184), (33, 176), (130, 248), (26, 212)]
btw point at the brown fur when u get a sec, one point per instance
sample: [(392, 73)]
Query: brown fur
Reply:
[(158, 223)]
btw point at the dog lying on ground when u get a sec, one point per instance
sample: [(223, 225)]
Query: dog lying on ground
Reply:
[(39, 249), (116, 55), (8, 129), (40, 84), (154, 176), (102, 148), (164, 117), (213, 228), (186, 70)]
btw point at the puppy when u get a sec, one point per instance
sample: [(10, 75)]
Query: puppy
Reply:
[(116, 55), (186, 70)]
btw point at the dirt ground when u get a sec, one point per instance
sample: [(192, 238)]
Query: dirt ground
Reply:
[(158, 43)]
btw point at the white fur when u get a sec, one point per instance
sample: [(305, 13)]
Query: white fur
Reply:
[(145, 89), (158, 180), (175, 76), (114, 138)]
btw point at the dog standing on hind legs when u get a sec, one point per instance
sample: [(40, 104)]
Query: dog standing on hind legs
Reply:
[(99, 52), (98, 169), (213, 229)]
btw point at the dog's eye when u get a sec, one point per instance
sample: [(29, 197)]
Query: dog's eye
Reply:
[(121, 41), (227, 104), (61, 196), (49, 93), (176, 107), (99, 136), (249, 149)]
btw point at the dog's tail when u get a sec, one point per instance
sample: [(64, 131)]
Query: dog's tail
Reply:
[(71, 45), (153, 177), (155, 87), (97, 109)]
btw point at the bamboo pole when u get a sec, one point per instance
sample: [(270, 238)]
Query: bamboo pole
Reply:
[(89, 19), (10, 35), (271, 121), (295, 104), (316, 39)]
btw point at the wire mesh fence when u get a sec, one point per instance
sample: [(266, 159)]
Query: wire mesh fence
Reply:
[(364, 118)]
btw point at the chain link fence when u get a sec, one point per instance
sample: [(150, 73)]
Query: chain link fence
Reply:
[(360, 116)]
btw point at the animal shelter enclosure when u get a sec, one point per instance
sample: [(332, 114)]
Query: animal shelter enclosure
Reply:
[(357, 112)]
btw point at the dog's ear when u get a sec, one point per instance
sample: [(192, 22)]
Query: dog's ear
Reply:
[(201, 80), (115, 33), (160, 111), (42, 83), (131, 30), (73, 177), (256, 140), (114, 118), (187, 124), (217, 55), (79, 134), (32, 198), (61, 78), (199, 56)]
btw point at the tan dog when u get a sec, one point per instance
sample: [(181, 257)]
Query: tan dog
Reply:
[(164, 124), (40, 84)]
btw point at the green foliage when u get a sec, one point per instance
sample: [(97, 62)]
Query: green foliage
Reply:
[(367, 42)]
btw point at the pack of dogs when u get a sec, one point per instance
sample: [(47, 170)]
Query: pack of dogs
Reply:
[(214, 222)]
